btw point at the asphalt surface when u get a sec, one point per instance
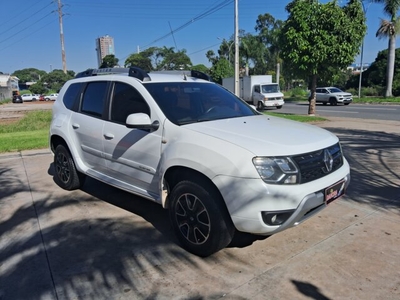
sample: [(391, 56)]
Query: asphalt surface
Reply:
[(102, 243)]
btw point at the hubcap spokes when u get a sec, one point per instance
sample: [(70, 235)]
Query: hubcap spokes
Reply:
[(62, 168), (193, 219)]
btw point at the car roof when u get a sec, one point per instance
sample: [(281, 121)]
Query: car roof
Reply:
[(143, 76)]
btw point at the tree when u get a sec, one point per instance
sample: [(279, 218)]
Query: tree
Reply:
[(252, 50), (38, 88), (221, 69), (29, 75), (389, 28), (172, 60), (55, 79), (317, 35), (374, 77), (147, 59), (269, 29), (109, 61), (201, 68)]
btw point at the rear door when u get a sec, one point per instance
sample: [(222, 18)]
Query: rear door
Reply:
[(87, 124)]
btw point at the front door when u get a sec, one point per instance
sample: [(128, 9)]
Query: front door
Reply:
[(132, 155)]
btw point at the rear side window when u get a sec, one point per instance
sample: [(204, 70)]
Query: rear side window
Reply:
[(71, 96), (94, 97)]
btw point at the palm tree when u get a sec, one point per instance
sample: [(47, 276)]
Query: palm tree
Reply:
[(389, 29)]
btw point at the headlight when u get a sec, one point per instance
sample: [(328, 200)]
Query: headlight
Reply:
[(276, 170)]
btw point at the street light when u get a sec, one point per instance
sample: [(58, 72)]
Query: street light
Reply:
[(362, 51)]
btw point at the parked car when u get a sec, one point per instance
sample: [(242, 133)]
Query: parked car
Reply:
[(332, 95), (51, 97), (216, 163), (16, 98), (30, 97)]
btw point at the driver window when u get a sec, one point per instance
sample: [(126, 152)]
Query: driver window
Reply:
[(126, 100)]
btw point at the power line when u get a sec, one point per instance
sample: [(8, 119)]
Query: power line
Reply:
[(26, 19), (23, 29), (199, 17)]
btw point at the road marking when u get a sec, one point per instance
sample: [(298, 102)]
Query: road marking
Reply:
[(339, 111), (376, 108)]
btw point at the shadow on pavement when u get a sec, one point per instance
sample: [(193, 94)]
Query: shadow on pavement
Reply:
[(374, 158)]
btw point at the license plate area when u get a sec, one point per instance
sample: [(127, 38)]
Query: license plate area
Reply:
[(334, 191)]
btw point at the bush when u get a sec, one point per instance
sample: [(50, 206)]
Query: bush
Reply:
[(298, 92)]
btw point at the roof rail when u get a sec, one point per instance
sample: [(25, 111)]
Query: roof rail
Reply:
[(190, 73), (200, 75), (132, 72)]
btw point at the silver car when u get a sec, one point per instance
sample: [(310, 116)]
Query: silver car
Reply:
[(332, 95)]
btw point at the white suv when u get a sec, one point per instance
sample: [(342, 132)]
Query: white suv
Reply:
[(332, 95), (195, 148)]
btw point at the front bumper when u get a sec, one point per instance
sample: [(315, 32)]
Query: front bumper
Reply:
[(248, 200), (273, 103)]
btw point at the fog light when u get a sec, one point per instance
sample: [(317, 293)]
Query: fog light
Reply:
[(276, 218)]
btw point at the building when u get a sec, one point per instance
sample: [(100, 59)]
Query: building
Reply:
[(104, 46), (8, 84)]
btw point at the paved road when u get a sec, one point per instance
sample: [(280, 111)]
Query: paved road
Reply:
[(359, 111), (102, 243)]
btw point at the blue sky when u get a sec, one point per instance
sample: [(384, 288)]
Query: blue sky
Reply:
[(30, 32)]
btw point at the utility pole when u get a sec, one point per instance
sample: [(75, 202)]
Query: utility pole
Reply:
[(362, 51), (64, 62), (236, 49)]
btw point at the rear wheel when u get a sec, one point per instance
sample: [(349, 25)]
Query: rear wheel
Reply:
[(66, 175), (200, 219)]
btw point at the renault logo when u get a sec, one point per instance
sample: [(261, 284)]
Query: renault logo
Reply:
[(328, 161)]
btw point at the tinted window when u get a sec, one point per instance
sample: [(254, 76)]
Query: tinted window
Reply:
[(93, 98), (71, 96), (189, 102), (126, 100)]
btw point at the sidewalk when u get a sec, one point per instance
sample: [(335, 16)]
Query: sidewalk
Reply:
[(102, 243)]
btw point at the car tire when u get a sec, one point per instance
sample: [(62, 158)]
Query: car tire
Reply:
[(260, 106), (346, 103), (333, 101), (66, 175), (325, 103), (199, 218), (279, 107)]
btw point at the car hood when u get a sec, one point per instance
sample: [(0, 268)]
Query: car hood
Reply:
[(342, 94), (267, 135)]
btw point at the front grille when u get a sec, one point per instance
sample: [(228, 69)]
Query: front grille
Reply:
[(313, 166)]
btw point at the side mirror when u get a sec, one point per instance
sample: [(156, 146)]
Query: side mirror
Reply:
[(141, 121)]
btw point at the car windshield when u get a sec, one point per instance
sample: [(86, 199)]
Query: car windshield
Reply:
[(270, 88), (191, 102), (335, 90)]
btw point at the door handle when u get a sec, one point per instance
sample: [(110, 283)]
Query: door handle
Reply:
[(75, 126), (108, 136)]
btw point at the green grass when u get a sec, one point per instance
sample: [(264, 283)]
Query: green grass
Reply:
[(299, 118), (30, 132)]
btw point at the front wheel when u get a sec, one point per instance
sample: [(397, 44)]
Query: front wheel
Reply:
[(347, 103), (333, 101), (66, 175), (260, 106), (199, 218), (279, 107)]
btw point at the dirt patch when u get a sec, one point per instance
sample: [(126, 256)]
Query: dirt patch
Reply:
[(12, 112)]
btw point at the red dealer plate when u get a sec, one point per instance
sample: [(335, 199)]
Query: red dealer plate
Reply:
[(334, 191)]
